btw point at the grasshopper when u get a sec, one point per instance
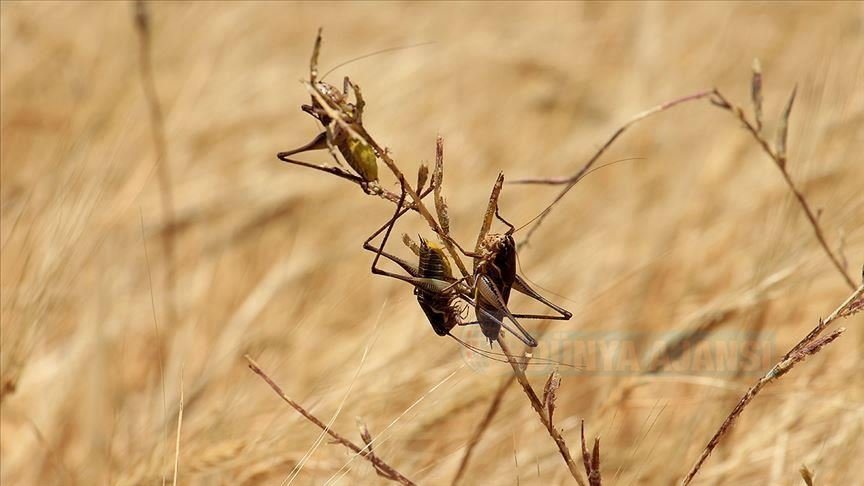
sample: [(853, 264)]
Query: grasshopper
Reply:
[(357, 153), (495, 276), (439, 293)]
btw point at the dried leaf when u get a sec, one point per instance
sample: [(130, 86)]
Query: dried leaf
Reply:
[(820, 343), (591, 461), (806, 475), (437, 182), (783, 130), (422, 176), (552, 385), (443, 213), (586, 458), (438, 170), (756, 93)]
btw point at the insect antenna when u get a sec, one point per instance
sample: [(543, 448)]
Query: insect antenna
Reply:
[(558, 198), (535, 284), (382, 51), (502, 358)]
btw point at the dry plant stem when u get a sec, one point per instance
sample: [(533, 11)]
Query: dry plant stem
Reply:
[(591, 460), (572, 180), (378, 464), (810, 345), (537, 404), (157, 127), (780, 161), (361, 134), (482, 427)]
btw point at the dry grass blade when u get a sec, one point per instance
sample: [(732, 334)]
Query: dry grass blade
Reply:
[(808, 346), (179, 429), (572, 180), (377, 463)]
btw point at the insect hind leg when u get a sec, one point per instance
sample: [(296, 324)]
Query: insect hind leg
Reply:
[(521, 286)]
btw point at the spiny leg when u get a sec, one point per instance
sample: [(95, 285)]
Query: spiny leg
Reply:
[(429, 284), (379, 251), (511, 229), (367, 245), (358, 97), (317, 143), (526, 339), (521, 286), (283, 156)]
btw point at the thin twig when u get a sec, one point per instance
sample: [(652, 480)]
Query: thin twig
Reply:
[(538, 407), (482, 427), (163, 171), (780, 161), (808, 346), (376, 461), (358, 132), (571, 181)]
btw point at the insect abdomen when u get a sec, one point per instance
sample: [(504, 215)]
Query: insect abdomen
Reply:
[(499, 273), (437, 306)]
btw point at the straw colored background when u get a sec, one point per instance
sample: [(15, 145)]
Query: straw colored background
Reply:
[(269, 259)]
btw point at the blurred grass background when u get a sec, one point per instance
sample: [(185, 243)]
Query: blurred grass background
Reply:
[(269, 259)]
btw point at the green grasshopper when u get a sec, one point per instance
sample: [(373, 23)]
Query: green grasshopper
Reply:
[(357, 153), (488, 290)]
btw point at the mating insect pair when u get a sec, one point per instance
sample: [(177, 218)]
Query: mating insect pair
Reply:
[(445, 299)]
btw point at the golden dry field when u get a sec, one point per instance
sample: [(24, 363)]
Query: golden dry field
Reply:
[(130, 277)]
